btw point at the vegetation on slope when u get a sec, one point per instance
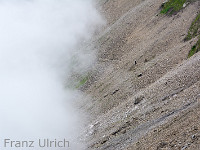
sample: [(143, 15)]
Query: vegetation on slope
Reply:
[(82, 82), (77, 81), (195, 49), (172, 6), (193, 32), (194, 29)]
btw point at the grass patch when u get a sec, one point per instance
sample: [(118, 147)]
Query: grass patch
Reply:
[(82, 82), (193, 32), (172, 6), (75, 82), (194, 29), (194, 49)]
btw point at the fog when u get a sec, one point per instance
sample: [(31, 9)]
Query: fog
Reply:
[(38, 41)]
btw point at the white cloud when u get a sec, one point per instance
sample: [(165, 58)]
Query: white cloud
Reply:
[(38, 38)]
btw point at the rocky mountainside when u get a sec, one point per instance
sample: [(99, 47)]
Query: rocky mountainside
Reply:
[(145, 90)]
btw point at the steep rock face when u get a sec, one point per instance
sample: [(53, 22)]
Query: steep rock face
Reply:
[(147, 92)]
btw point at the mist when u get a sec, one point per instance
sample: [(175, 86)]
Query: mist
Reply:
[(38, 41)]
